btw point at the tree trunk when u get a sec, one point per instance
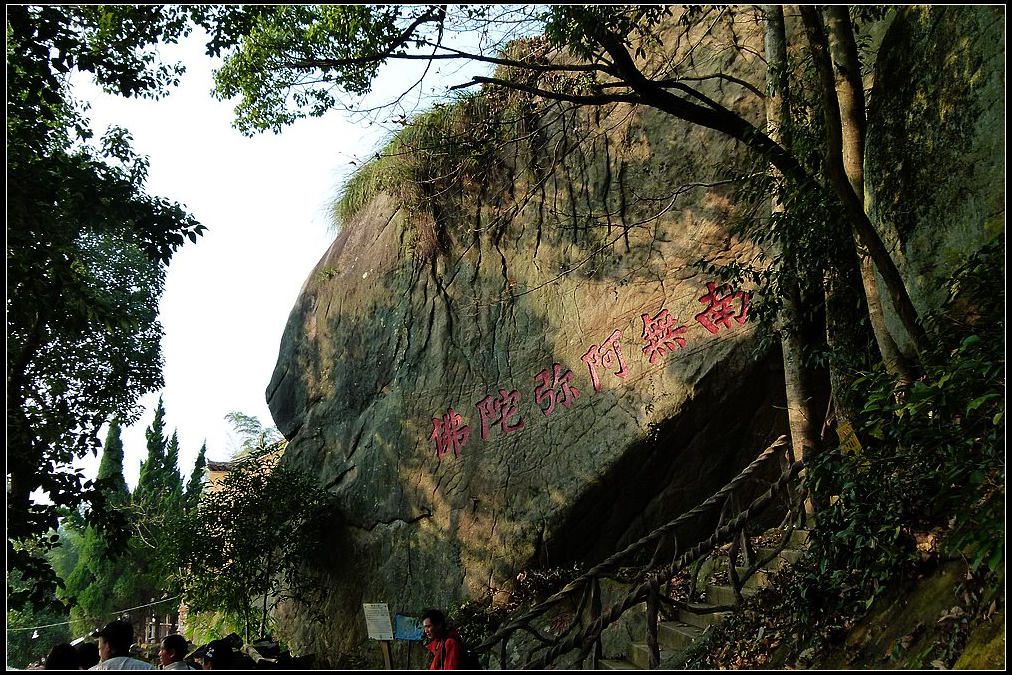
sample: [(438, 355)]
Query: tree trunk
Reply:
[(836, 164), (263, 618), (853, 125), (717, 117), (800, 403)]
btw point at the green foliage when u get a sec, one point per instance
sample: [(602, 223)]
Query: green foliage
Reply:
[(285, 61), (64, 558), (159, 486), (25, 647), (195, 486), (102, 563), (110, 468), (931, 465), (125, 567), (202, 627), (86, 250), (935, 452), (932, 457), (253, 434), (584, 28), (246, 546)]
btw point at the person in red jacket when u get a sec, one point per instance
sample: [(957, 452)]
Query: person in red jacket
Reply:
[(444, 642)]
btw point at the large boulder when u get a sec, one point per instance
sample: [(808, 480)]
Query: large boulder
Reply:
[(935, 160), (533, 373)]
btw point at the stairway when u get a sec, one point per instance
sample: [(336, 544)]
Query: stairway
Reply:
[(675, 636)]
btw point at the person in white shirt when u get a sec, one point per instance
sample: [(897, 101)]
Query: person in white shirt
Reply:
[(172, 653), (114, 648)]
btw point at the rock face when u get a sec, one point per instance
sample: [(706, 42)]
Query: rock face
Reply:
[(936, 130), (520, 364), (531, 375)]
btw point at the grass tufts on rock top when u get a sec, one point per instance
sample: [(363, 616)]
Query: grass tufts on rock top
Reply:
[(463, 155), (442, 165)]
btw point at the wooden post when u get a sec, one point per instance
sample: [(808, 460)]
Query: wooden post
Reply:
[(503, 653), (388, 663), (653, 607), (595, 614)]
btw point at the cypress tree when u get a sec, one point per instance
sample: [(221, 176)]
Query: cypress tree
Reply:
[(173, 480), (97, 572), (152, 469), (110, 468), (196, 484)]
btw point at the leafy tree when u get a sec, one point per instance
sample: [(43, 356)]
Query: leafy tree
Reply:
[(27, 644), (86, 253), (245, 548), (64, 558), (253, 435)]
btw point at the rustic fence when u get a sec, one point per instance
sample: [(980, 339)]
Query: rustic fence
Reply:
[(584, 633)]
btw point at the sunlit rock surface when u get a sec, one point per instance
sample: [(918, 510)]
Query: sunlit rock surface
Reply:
[(551, 381)]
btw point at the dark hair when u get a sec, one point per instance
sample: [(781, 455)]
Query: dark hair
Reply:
[(176, 644), (219, 653), (435, 616), (119, 635), (87, 652), (62, 657)]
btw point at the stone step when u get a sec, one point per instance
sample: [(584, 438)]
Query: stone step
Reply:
[(724, 595), (799, 538), (785, 558), (615, 664), (676, 635), (758, 580), (639, 654), (700, 619), (791, 555)]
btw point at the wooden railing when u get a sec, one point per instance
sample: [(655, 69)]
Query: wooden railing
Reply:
[(590, 620)]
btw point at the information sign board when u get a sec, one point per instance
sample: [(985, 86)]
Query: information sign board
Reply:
[(377, 620)]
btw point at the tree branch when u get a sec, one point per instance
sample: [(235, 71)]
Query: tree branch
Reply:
[(719, 76), (551, 95), (526, 65), (452, 55)]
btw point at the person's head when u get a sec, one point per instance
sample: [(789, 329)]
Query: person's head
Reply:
[(218, 655), (87, 653), (173, 649), (434, 624), (115, 639), (62, 657)]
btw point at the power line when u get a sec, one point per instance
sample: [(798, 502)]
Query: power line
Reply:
[(116, 613)]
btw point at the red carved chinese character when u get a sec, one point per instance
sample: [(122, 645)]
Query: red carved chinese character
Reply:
[(544, 390), (661, 335), (448, 433), (605, 355), (720, 309), (499, 411)]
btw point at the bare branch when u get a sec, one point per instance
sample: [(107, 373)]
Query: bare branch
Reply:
[(527, 65), (552, 95), (719, 76), (455, 55)]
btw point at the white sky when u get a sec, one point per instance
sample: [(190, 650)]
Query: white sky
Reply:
[(264, 201)]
